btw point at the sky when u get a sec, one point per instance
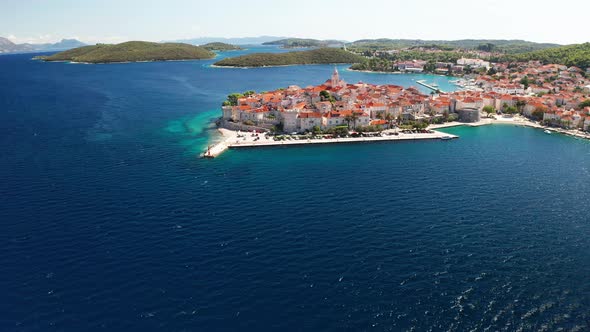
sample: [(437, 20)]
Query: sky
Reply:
[(113, 21)]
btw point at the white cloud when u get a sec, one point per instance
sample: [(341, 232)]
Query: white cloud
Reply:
[(41, 39)]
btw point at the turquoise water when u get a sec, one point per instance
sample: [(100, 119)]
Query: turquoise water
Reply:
[(109, 221)]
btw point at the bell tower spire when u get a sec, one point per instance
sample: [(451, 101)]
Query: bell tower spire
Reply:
[(335, 78)]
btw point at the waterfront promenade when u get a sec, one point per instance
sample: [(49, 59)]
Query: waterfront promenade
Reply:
[(234, 139)]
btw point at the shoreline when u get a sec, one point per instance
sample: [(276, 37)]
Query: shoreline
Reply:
[(230, 139), (515, 121), (117, 62), (400, 73), (276, 66)]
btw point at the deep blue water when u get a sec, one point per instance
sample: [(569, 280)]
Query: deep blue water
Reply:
[(109, 222)]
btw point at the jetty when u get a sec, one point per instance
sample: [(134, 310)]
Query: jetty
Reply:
[(215, 150), (235, 140), (431, 87)]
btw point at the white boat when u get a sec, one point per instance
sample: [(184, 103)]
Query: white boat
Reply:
[(445, 138), (547, 132)]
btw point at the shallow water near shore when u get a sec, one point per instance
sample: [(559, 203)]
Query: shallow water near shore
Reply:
[(109, 221)]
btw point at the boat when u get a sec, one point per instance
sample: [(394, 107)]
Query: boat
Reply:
[(547, 132), (446, 138)]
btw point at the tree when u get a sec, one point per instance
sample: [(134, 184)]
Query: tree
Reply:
[(538, 113), (489, 110), (348, 119), (316, 130), (355, 117), (390, 118), (232, 99), (511, 110), (419, 125), (249, 93), (520, 105), (492, 71), (585, 103), (525, 81), (325, 95)]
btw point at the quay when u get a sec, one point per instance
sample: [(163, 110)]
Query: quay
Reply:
[(235, 140)]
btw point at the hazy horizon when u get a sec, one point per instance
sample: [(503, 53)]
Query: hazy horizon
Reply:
[(110, 21)]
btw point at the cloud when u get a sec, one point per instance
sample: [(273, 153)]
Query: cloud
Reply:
[(41, 39), (104, 39)]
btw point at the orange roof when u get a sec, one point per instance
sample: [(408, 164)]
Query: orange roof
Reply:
[(378, 122), (305, 115)]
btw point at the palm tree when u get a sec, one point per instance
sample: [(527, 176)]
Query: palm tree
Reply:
[(348, 120), (520, 105), (354, 116), (389, 117)]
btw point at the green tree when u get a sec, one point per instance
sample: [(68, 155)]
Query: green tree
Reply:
[(232, 99), (351, 118), (489, 110), (419, 125), (585, 103), (390, 118), (525, 81), (511, 110), (520, 105), (538, 114)]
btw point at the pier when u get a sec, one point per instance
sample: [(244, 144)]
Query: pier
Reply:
[(435, 89), (215, 150)]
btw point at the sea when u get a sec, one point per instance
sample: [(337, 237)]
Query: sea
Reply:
[(109, 221)]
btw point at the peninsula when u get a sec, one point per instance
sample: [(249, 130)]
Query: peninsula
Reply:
[(551, 97), (133, 51), (316, 56)]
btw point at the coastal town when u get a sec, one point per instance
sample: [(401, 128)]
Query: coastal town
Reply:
[(554, 97)]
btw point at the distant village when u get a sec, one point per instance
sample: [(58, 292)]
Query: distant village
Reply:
[(553, 95)]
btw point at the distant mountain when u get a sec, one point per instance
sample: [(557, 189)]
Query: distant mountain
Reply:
[(64, 44), (133, 51), (5, 42), (6, 46), (300, 42), (233, 41)]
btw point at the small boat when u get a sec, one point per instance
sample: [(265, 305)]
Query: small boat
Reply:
[(547, 132), (446, 138)]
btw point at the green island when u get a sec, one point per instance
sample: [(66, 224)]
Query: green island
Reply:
[(486, 45), (316, 56), (221, 47), (133, 51), (300, 42)]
